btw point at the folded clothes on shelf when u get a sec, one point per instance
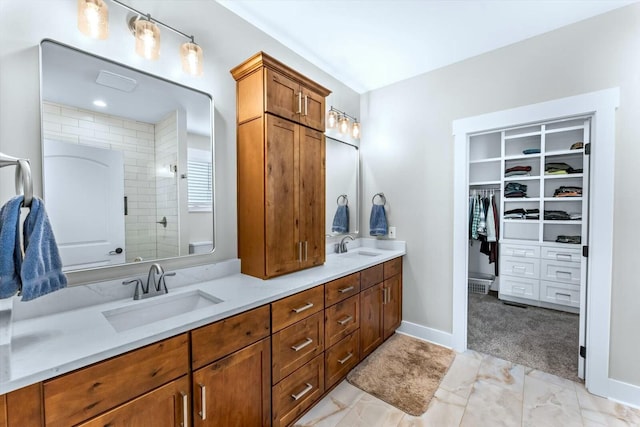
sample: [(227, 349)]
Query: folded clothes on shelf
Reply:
[(577, 146), (568, 191), (515, 186), (556, 215), (531, 151), (521, 213), (515, 194), (517, 170), (569, 239), (559, 168)]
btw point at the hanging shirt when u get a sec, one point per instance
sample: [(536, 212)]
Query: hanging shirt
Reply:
[(491, 222)]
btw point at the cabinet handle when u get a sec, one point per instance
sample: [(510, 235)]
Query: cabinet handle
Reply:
[(307, 306), (384, 295), (299, 251), (302, 345), (347, 357), (306, 390), (203, 402), (185, 409), (519, 252), (561, 257), (566, 274), (345, 320), (299, 103), (345, 290), (567, 296), (520, 289), (518, 268), (306, 252), (306, 103)]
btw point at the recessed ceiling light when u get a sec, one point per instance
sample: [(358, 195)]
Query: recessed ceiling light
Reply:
[(99, 103)]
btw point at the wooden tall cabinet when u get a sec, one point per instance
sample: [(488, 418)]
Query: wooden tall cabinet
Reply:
[(281, 168)]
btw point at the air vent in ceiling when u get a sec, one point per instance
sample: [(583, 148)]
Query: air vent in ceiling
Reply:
[(116, 81)]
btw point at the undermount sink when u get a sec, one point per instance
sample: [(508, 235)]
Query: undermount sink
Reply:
[(153, 310), (360, 253)]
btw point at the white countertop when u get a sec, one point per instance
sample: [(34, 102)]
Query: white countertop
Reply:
[(47, 345)]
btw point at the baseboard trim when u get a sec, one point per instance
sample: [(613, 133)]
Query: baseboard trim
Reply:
[(625, 393), (435, 336)]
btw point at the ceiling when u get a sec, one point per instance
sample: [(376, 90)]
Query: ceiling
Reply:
[(368, 44)]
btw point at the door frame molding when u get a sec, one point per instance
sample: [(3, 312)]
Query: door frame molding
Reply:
[(602, 106)]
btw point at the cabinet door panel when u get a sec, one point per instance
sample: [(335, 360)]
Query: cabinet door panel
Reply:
[(24, 406), (283, 97), (166, 406), (370, 319), (236, 391), (312, 196), (393, 306), (341, 320), (312, 109), (283, 251)]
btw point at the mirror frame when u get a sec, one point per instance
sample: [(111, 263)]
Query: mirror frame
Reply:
[(134, 269), (356, 232)]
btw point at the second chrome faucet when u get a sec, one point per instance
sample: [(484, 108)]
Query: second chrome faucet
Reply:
[(156, 283)]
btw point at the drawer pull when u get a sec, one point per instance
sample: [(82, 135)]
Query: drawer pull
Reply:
[(302, 345), (347, 357), (563, 274), (345, 290), (307, 306), (185, 410), (519, 289), (203, 402), (519, 268), (519, 252), (346, 320), (306, 390), (561, 257), (306, 105), (299, 103), (559, 294)]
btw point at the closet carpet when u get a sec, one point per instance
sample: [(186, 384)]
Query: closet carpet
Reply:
[(543, 339)]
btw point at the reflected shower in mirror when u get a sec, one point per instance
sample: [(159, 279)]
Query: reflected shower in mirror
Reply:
[(127, 161), (342, 187)]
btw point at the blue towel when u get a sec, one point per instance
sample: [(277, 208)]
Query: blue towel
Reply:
[(41, 271), (341, 220), (378, 221), (10, 253)]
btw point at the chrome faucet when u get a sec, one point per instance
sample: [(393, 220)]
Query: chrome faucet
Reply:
[(341, 247), (156, 283)]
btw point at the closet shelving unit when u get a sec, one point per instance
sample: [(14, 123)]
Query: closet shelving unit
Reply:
[(535, 269)]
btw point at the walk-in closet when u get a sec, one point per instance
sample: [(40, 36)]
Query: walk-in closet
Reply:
[(528, 243)]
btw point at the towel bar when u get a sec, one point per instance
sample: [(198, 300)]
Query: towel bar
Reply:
[(340, 197), (24, 183), (382, 198)]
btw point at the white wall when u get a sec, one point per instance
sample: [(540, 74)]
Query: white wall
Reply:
[(596, 54), (226, 39)]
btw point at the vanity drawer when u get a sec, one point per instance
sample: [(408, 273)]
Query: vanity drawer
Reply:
[(557, 293), (80, 395), (294, 394), (340, 358), (393, 267), (520, 251), (342, 288), (212, 342), (520, 287), (561, 271), (521, 267), (288, 311), (371, 276), (341, 320), (562, 254), (292, 347)]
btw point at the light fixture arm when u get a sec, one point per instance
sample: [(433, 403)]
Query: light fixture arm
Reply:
[(342, 113), (151, 19)]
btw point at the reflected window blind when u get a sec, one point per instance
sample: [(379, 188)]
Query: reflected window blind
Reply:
[(199, 185)]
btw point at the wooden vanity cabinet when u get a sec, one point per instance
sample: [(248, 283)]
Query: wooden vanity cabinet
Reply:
[(281, 168), (22, 407), (3, 411)]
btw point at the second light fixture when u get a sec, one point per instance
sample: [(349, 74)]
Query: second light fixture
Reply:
[(343, 121)]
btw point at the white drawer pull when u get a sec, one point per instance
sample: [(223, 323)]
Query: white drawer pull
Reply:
[(345, 290), (303, 308), (302, 345), (564, 296), (306, 390), (518, 289), (344, 321), (563, 257), (563, 274), (519, 252), (519, 268), (347, 357)]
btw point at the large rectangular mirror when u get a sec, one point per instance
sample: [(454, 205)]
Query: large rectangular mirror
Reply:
[(342, 187), (127, 161)]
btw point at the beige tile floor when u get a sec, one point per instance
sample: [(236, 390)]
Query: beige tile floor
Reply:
[(479, 390)]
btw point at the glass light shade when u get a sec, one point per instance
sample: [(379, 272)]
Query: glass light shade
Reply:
[(147, 39), (343, 124), (332, 119), (93, 18), (355, 130), (191, 55)]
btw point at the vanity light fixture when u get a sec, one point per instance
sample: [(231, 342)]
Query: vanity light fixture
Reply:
[(344, 121), (93, 21), (93, 18)]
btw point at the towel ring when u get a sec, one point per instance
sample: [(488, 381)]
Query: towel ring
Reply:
[(24, 183), (344, 198), (382, 199)]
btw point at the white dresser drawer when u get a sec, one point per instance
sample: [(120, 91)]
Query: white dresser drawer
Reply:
[(520, 287), (561, 271), (557, 293), (521, 267), (561, 254), (521, 251)]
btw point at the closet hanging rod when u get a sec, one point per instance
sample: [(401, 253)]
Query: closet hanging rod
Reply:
[(24, 183)]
